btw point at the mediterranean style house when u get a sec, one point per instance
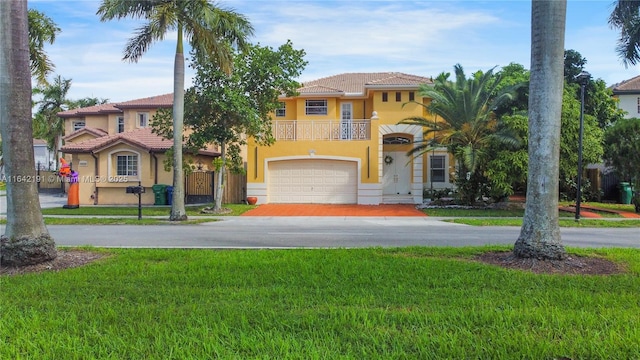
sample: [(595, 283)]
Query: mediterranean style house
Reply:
[(339, 141), (112, 147), (628, 94)]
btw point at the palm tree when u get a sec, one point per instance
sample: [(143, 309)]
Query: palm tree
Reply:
[(468, 124), (626, 18), (26, 239), (209, 29), (47, 125), (41, 29), (540, 232)]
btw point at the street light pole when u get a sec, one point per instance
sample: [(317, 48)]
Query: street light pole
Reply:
[(583, 79)]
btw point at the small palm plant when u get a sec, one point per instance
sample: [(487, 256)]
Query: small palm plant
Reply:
[(465, 124)]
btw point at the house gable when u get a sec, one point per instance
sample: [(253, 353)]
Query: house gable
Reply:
[(628, 94)]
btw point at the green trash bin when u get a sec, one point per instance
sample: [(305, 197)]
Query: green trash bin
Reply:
[(160, 193), (625, 193)]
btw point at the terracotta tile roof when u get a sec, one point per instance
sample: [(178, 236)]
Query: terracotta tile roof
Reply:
[(628, 86), (160, 101), (39, 142), (357, 83), (86, 130), (91, 110), (142, 138), (153, 102)]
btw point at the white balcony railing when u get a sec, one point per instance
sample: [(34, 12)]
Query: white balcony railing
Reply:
[(322, 130)]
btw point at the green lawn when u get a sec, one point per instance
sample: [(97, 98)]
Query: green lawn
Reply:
[(236, 209), (589, 223), (116, 221), (409, 303)]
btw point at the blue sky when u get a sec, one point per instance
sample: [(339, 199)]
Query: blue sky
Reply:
[(416, 37)]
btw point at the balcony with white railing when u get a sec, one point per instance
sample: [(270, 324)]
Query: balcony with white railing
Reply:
[(322, 130)]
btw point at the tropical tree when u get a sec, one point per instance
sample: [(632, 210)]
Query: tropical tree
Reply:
[(512, 163), (574, 63), (622, 151), (223, 110), (626, 18), (46, 123), (26, 239), (598, 98), (42, 30), (540, 232), (465, 124), (210, 30)]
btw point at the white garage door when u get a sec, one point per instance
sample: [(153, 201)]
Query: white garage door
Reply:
[(313, 182)]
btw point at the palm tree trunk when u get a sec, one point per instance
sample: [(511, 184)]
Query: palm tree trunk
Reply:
[(178, 212), (26, 239), (220, 183), (540, 233)]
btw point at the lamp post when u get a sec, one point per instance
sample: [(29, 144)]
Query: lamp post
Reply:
[(583, 79)]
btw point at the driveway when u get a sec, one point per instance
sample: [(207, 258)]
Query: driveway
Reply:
[(334, 210)]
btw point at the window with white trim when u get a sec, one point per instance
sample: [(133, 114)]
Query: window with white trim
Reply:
[(282, 110), (316, 107), (120, 124), (77, 125), (438, 168), (143, 120), (127, 165)]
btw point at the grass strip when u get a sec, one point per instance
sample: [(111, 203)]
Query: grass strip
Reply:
[(116, 221), (584, 223), (414, 303), (236, 209)]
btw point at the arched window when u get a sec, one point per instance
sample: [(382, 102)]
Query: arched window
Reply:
[(396, 140)]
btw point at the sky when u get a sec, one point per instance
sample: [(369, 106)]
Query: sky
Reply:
[(422, 38)]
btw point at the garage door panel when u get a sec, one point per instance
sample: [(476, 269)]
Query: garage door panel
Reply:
[(313, 181)]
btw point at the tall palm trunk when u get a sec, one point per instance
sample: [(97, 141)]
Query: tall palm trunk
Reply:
[(178, 212), (26, 239), (540, 233), (220, 183)]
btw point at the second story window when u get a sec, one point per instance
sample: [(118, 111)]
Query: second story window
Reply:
[(412, 96), (638, 105), (398, 96), (385, 97), (316, 107), (282, 110), (143, 119), (120, 125), (77, 125)]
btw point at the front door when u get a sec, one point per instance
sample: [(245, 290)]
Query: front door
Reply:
[(396, 173)]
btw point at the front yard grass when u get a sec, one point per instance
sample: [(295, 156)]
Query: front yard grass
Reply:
[(409, 303), (116, 221), (586, 223), (236, 209)]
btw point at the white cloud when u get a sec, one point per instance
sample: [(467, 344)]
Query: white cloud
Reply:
[(419, 37)]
